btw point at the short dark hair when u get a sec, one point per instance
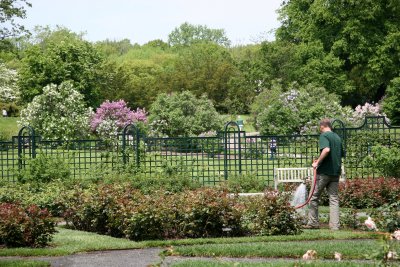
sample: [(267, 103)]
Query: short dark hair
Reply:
[(326, 123)]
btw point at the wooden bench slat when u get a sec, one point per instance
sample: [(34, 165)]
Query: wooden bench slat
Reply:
[(288, 175)]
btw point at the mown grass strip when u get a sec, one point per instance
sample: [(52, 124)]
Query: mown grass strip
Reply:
[(23, 263), (277, 263), (68, 242), (350, 249), (307, 235)]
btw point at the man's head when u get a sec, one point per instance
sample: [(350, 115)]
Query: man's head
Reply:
[(325, 125)]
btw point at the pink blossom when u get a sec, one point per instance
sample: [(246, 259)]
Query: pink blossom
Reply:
[(396, 235), (370, 224), (118, 113)]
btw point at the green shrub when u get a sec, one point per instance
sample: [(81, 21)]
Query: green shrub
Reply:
[(349, 218), (150, 218), (121, 210), (208, 211), (86, 208), (385, 160), (170, 183), (391, 102), (183, 114), (245, 183), (387, 217), (5, 135), (21, 227), (48, 196), (12, 109), (271, 214), (296, 110), (45, 168)]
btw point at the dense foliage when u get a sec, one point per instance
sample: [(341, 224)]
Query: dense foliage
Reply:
[(58, 113), (368, 192), (119, 210), (22, 227), (183, 114), (62, 56), (391, 102), (345, 50), (298, 110), (44, 169), (349, 47), (187, 34)]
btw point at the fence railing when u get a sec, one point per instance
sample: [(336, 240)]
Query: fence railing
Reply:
[(208, 159)]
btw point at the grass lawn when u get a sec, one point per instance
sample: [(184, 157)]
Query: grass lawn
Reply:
[(23, 263), (352, 244), (354, 249), (68, 242), (278, 263), (9, 125)]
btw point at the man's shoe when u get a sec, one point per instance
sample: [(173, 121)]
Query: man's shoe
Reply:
[(308, 226)]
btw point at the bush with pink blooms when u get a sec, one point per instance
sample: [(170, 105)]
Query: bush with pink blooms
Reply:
[(111, 117), (360, 112)]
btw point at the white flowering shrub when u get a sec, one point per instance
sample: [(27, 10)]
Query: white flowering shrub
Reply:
[(58, 113), (9, 91)]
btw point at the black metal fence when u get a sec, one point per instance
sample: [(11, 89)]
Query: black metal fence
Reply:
[(208, 159)]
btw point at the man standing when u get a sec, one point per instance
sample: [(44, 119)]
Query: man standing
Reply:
[(328, 165)]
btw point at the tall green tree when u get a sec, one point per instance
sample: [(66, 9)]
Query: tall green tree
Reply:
[(9, 11), (112, 48), (203, 68), (65, 58), (247, 81), (187, 34), (355, 40), (391, 103)]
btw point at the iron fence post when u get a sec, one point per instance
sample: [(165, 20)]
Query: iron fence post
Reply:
[(21, 143), (232, 124)]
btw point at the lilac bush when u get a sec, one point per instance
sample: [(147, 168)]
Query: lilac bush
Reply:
[(58, 113), (111, 117), (360, 112)]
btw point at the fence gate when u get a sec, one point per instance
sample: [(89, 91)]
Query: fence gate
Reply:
[(232, 149), (131, 144), (26, 146)]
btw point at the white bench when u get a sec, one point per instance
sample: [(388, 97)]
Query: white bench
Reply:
[(297, 175)]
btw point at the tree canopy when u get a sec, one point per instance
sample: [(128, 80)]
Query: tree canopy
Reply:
[(352, 44), (187, 34), (61, 56), (9, 10)]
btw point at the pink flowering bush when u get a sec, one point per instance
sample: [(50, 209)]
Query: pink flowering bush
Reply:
[(360, 112), (111, 117)]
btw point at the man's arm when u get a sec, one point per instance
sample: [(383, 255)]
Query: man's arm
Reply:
[(323, 155)]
